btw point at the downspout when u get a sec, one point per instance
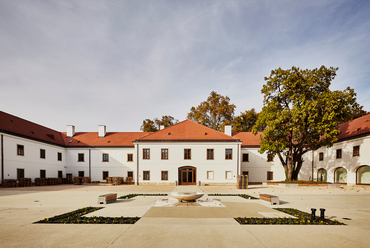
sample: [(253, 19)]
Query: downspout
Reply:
[(237, 169), (90, 163), (312, 165), (2, 158), (137, 164)]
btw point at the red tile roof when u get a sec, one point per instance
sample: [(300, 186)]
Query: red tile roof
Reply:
[(359, 126), (248, 138), (187, 131), (14, 125)]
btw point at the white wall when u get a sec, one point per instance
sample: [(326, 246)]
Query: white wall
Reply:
[(31, 161)]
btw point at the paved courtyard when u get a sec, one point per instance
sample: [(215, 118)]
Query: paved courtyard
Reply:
[(182, 226)]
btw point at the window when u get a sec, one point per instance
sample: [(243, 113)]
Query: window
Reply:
[(81, 157), (321, 156), (81, 173), (20, 150), (270, 157), (105, 175), (105, 157), (59, 156), (42, 173), (228, 154), (60, 174), (270, 175), (245, 157), (146, 153), (130, 174), (339, 153), (20, 173), (210, 154), (164, 175), (187, 153), (130, 158), (209, 175), (146, 175), (164, 154), (356, 151), (245, 173), (228, 175), (42, 153)]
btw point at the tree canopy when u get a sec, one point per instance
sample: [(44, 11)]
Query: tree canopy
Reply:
[(301, 113), (245, 121), (154, 125), (214, 113)]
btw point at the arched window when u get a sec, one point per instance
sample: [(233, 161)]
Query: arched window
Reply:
[(340, 175), (322, 175), (363, 175)]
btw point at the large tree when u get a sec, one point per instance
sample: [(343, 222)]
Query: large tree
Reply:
[(301, 114), (154, 125), (214, 113), (245, 121)]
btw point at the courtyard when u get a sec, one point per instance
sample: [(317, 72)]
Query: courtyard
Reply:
[(185, 225)]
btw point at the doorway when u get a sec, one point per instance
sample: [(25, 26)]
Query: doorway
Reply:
[(187, 175)]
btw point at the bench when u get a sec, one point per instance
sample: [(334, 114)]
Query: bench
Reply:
[(272, 199), (107, 198)]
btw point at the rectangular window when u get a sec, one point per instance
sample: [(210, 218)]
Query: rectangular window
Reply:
[(20, 150), (130, 157), (59, 156), (245, 157), (270, 157), (339, 153), (210, 153), (146, 175), (105, 175), (81, 157), (228, 153), (60, 174), (245, 173), (130, 174), (146, 153), (164, 154), (42, 173), (20, 173), (356, 151), (187, 153), (270, 175), (209, 175), (228, 175), (321, 156), (164, 175), (81, 173), (42, 153), (105, 157)]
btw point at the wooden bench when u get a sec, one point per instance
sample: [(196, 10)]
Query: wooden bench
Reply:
[(272, 199), (107, 198)]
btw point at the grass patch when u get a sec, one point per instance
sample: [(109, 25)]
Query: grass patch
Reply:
[(302, 218), (241, 195), (76, 217), (129, 196)]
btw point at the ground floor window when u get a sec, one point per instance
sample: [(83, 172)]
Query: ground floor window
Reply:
[(228, 175), (42, 173), (105, 175), (363, 175), (130, 174), (321, 175), (81, 173), (146, 175), (60, 174), (270, 175), (20, 173), (340, 175), (164, 175), (245, 173), (209, 175)]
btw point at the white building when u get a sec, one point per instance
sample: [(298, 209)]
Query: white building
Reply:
[(185, 153)]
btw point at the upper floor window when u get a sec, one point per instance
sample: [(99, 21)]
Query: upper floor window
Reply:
[(105, 157), (187, 153), (270, 157), (228, 153), (42, 153), (210, 153), (146, 153), (356, 151), (130, 157), (81, 157), (20, 150), (59, 156), (321, 156), (245, 157), (339, 153), (164, 154)]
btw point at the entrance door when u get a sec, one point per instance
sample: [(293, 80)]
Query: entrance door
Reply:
[(187, 175)]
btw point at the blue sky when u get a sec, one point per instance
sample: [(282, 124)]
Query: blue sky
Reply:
[(116, 63)]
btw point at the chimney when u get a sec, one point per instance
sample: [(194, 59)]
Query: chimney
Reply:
[(228, 130), (70, 131), (102, 131), (161, 127)]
